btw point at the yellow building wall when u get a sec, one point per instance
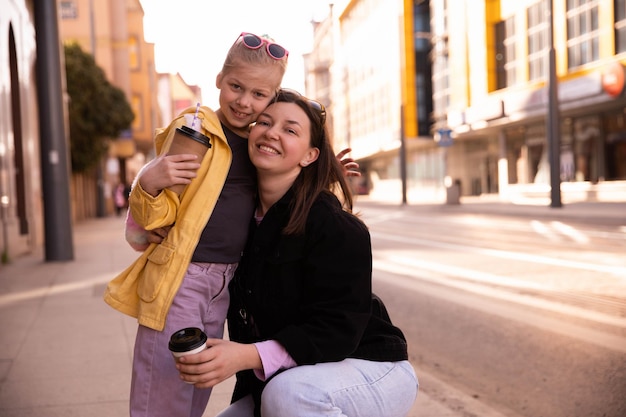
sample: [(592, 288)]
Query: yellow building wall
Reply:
[(136, 76), (79, 30), (408, 71), (492, 16), (142, 78)]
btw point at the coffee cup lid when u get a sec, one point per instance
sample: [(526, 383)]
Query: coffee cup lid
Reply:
[(187, 339), (195, 135)]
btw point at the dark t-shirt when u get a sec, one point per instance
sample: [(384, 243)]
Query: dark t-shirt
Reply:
[(224, 236)]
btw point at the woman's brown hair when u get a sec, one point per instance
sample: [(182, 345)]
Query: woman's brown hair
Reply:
[(325, 175)]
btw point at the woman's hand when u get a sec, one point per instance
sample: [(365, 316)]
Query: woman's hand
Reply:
[(221, 360), (168, 170), (157, 235), (350, 166)]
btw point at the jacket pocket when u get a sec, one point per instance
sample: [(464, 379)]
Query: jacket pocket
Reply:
[(155, 272)]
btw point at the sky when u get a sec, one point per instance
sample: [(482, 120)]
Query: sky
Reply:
[(191, 37)]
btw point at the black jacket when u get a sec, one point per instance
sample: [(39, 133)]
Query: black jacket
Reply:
[(312, 293)]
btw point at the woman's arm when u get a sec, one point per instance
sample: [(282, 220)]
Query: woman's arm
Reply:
[(221, 360)]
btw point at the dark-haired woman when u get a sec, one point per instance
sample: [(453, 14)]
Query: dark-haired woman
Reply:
[(308, 337)]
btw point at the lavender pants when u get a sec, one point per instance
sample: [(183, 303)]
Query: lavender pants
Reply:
[(156, 388)]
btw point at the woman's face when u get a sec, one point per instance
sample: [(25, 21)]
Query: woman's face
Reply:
[(280, 141)]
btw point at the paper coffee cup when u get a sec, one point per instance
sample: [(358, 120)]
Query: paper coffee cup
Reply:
[(187, 342), (187, 140)]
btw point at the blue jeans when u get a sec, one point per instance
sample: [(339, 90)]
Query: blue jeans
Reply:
[(352, 387)]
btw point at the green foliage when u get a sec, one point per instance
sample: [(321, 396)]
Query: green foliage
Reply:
[(98, 111)]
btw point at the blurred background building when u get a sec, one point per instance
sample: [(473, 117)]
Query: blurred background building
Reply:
[(20, 175), (112, 31), (438, 99), (457, 91)]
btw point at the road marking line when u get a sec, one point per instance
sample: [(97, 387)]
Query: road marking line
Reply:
[(618, 271), (411, 273), (570, 232)]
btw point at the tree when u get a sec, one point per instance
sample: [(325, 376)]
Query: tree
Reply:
[(98, 110)]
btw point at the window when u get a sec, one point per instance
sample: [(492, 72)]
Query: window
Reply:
[(136, 104), (538, 40), (67, 10), (423, 67), (582, 32), (441, 86), (506, 63), (440, 65), (133, 53), (620, 26)]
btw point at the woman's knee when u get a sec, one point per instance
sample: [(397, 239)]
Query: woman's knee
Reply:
[(288, 392), (281, 387)]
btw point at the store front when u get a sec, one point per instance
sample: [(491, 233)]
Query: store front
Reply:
[(592, 142)]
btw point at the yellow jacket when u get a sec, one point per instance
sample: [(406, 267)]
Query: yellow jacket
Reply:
[(145, 290)]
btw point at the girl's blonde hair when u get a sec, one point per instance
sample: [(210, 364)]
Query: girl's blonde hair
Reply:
[(240, 53)]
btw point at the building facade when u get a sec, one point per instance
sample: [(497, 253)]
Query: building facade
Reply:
[(457, 92), (370, 63), (21, 206), (496, 102), (112, 31)]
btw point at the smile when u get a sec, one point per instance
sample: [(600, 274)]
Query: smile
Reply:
[(268, 149), (239, 114)]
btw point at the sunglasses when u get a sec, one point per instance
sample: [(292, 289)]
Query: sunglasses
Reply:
[(316, 105), (252, 41)]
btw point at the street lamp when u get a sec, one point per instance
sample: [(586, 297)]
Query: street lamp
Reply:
[(55, 172), (100, 197), (554, 124)]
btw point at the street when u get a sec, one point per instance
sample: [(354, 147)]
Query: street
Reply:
[(507, 316)]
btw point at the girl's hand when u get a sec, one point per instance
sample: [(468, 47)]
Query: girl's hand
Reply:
[(157, 235), (168, 170), (350, 166), (221, 360)]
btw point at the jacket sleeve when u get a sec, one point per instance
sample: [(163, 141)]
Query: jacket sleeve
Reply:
[(151, 212), (136, 236)]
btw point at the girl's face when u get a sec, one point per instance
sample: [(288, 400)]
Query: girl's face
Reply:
[(245, 91), (280, 141)]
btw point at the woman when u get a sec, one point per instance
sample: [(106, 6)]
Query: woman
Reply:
[(308, 337)]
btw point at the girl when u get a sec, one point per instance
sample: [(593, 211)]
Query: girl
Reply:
[(183, 281)]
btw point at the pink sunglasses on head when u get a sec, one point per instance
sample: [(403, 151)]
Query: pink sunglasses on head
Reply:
[(253, 41)]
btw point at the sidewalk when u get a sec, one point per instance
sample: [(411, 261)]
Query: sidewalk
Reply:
[(64, 352)]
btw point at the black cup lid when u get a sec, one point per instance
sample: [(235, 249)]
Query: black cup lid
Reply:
[(187, 339), (195, 135)]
